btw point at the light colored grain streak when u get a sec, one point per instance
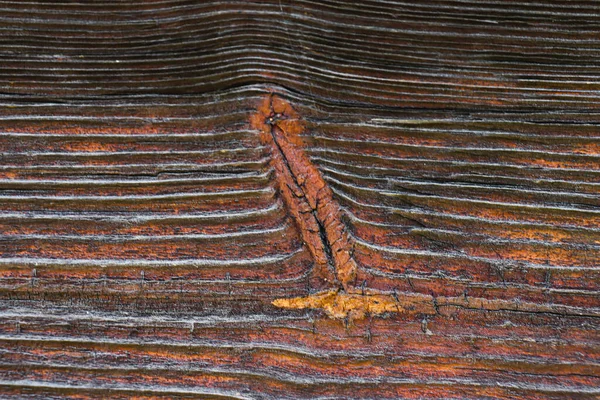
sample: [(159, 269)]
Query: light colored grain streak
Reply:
[(146, 238), (107, 262), (135, 390)]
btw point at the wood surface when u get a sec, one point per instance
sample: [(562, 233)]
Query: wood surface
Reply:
[(300, 199)]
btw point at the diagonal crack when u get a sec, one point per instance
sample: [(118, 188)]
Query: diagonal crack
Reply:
[(310, 201), (306, 194)]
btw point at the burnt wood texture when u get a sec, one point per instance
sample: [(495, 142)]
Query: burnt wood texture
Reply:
[(300, 199)]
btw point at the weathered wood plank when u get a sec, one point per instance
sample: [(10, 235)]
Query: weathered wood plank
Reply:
[(448, 149)]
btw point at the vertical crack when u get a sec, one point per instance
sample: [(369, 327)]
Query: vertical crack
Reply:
[(325, 240)]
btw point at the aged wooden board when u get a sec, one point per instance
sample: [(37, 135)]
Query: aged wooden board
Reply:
[(307, 199)]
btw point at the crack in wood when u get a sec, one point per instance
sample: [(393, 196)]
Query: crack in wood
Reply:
[(310, 201), (305, 193)]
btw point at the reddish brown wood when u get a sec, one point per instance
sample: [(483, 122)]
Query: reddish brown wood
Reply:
[(151, 213)]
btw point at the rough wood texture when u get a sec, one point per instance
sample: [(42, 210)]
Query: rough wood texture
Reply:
[(146, 230)]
